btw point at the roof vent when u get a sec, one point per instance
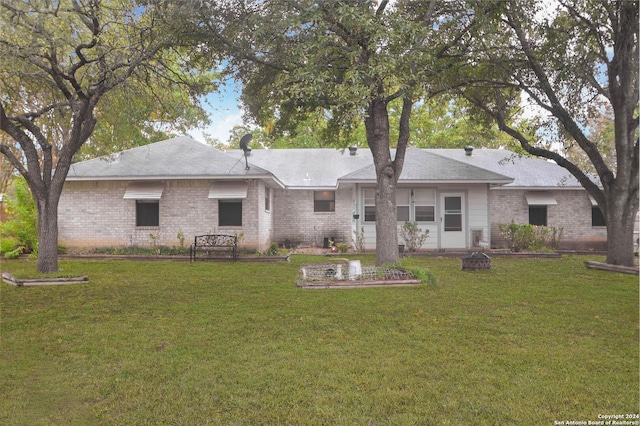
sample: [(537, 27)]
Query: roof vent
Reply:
[(468, 150), (352, 150)]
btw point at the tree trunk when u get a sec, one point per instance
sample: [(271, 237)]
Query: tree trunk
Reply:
[(377, 127), (620, 217), (386, 221), (47, 234)]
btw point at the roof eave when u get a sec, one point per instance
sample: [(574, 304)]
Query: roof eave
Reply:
[(432, 182), (543, 188), (314, 188), (173, 177)]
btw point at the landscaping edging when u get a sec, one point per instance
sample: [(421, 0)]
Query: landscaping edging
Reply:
[(177, 258), (320, 285), (612, 268), (32, 282)]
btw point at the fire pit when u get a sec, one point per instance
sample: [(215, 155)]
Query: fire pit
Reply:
[(475, 261)]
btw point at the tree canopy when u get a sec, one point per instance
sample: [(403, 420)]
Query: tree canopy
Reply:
[(572, 63), (59, 61), (348, 61)]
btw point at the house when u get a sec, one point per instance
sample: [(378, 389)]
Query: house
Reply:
[(172, 190)]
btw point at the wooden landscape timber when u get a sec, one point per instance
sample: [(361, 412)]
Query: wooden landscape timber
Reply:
[(10, 279), (612, 268)]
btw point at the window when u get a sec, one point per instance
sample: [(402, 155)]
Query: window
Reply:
[(538, 215), (417, 205), (597, 218), (147, 213), (425, 214), (425, 205), (267, 198), (453, 213), (369, 205), (229, 212), (403, 200), (324, 201), (538, 202)]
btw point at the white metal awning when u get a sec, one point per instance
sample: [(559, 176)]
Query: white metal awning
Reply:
[(228, 190), (540, 199), (594, 203), (143, 191)]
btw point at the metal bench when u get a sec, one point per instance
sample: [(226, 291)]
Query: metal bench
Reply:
[(210, 246)]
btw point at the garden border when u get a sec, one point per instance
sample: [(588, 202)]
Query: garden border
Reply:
[(33, 282)]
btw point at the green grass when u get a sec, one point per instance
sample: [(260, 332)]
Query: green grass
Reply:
[(530, 342)]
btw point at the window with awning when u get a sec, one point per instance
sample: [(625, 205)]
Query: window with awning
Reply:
[(228, 190), (147, 197), (538, 202)]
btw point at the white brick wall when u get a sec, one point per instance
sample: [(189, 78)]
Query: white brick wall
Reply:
[(94, 214), (572, 213), (297, 222)]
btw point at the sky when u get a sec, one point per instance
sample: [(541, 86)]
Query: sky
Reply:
[(223, 108)]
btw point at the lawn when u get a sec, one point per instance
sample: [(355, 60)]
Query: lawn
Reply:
[(530, 342)]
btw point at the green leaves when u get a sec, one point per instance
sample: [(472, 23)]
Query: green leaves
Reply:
[(19, 233), (295, 59), (65, 65)]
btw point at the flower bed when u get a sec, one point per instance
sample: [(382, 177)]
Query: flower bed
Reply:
[(352, 275)]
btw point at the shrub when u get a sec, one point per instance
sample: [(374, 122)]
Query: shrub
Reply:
[(358, 240), (531, 237), (272, 250), (19, 234), (413, 236)]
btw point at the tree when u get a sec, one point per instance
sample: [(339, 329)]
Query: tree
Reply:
[(449, 122), (348, 60), (602, 134), (572, 62), (133, 115), (58, 61)]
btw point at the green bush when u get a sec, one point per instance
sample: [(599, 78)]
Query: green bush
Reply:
[(19, 234), (272, 250), (531, 237)]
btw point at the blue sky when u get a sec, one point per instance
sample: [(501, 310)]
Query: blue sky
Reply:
[(224, 112)]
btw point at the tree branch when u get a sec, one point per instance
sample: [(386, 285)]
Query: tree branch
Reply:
[(556, 107), (499, 115)]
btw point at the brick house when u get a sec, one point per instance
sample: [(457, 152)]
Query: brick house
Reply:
[(179, 188)]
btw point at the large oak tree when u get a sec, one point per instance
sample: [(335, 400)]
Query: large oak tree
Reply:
[(58, 62), (575, 61), (349, 60)]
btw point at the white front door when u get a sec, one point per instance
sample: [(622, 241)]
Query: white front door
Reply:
[(452, 220)]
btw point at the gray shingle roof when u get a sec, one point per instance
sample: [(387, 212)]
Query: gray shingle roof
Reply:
[(180, 157), (310, 167), (423, 166), (185, 158), (527, 172)]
